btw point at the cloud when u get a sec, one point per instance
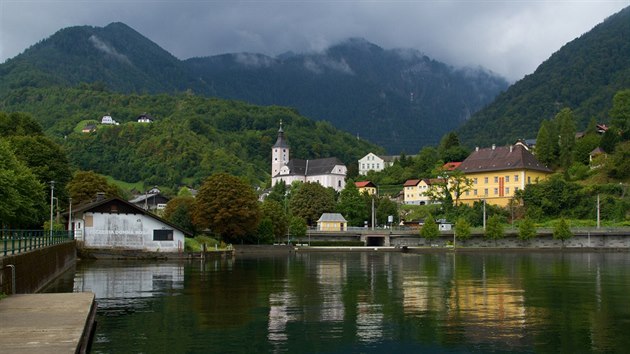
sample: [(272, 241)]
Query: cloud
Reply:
[(108, 49), (510, 38)]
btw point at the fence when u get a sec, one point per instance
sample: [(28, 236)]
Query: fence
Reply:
[(18, 241)]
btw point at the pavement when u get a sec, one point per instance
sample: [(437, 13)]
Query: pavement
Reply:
[(46, 323)]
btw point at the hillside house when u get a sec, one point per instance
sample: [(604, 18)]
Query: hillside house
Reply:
[(415, 191), (89, 128), (145, 118), (498, 172), (366, 187), (329, 172), (112, 223), (152, 200), (108, 120)]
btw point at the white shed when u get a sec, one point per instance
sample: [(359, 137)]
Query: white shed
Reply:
[(113, 223)]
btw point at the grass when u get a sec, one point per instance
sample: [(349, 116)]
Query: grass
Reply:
[(79, 127), (196, 244), (127, 186)]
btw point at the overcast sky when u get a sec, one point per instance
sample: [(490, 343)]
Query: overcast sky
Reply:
[(510, 38)]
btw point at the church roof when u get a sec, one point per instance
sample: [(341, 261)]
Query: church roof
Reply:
[(281, 142), (313, 167), (501, 158)]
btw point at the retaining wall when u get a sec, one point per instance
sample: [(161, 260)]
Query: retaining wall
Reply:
[(35, 269), (511, 241)]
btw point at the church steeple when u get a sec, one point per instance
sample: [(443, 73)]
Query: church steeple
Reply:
[(279, 153)]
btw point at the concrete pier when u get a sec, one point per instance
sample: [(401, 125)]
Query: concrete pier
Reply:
[(47, 323)]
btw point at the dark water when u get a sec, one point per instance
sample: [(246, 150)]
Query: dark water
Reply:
[(362, 303)]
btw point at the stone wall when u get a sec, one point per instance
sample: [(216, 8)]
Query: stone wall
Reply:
[(511, 241), (35, 269)]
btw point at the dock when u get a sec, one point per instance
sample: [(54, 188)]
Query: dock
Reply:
[(47, 323)]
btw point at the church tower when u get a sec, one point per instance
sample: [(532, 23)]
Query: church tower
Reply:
[(279, 153)]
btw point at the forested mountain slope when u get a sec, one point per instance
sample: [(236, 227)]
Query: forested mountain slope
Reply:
[(583, 75), (191, 138)]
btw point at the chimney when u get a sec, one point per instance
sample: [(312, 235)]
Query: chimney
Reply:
[(476, 148), (100, 196), (493, 146)]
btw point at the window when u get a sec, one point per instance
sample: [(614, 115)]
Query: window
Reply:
[(515, 189), (515, 178), (363, 166), (529, 180), (474, 192), (475, 180), (507, 178), (496, 179), (467, 193), (507, 190), (485, 191), (162, 235), (485, 180), (496, 191)]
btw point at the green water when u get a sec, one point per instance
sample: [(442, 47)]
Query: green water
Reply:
[(362, 303)]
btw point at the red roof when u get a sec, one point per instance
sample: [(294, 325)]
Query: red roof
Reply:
[(450, 166), (411, 182), (364, 184)]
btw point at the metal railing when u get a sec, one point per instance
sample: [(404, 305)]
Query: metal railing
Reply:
[(18, 241)]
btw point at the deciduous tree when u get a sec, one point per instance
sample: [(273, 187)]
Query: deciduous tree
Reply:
[(311, 200), (429, 230), (86, 184)]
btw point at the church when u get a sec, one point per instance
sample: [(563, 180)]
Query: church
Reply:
[(329, 172)]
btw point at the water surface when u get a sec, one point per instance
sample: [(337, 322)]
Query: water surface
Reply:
[(362, 303)]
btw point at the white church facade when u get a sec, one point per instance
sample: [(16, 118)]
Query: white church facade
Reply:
[(329, 172)]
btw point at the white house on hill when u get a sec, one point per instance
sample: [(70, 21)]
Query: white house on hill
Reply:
[(329, 172)]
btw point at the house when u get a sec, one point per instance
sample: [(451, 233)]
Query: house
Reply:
[(112, 223), (89, 128), (377, 163), (145, 118), (108, 120), (332, 222), (601, 128), (497, 173), (366, 187), (593, 157), (415, 191), (329, 172), (152, 200)]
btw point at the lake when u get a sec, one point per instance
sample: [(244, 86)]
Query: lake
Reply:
[(363, 302)]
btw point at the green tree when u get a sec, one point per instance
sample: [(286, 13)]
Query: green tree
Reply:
[(429, 230), (384, 208), (566, 139), (546, 143), (311, 200), (494, 228), (265, 233), (297, 227), (227, 206), (179, 211), (275, 212), (450, 148), (352, 206), (18, 124), (618, 164), (85, 185), (526, 229), (278, 192), (462, 229), (22, 197), (620, 113), (561, 231)]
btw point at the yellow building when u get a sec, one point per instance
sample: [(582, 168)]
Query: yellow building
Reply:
[(415, 191), (332, 222), (497, 173), (366, 187)]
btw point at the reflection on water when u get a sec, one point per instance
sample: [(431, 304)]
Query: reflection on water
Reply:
[(362, 302)]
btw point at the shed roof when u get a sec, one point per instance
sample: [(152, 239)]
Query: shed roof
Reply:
[(331, 217)]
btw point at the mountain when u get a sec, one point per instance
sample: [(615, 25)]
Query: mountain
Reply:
[(400, 99), (583, 75)]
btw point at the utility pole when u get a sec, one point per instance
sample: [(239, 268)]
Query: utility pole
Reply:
[(52, 195), (598, 210), (373, 214), (70, 228), (484, 214)]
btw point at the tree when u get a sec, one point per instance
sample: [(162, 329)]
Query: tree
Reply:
[(311, 200), (22, 197), (462, 229), (620, 113), (265, 233), (18, 124), (297, 227), (566, 140), (546, 143), (494, 228), (274, 211), (561, 231), (352, 206), (386, 207), (450, 184), (278, 192), (179, 211), (527, 229), (450, 148), (429, 230), (85, 185), (618, 164), (227, 206)]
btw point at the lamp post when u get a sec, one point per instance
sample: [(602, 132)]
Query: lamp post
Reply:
[(52, 196), (484, 214), (70, 228)]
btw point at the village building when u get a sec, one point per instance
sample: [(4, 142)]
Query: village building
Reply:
[(329, 172), (152, 200), (376, 163), (145, 118), (332, 222), (112, 223), (108, 120), (497, 173), (415, 191), (89, 128), (366, 187)]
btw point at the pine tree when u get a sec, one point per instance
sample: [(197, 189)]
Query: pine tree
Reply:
[(546, 144), (566, 139), (430, 229)]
